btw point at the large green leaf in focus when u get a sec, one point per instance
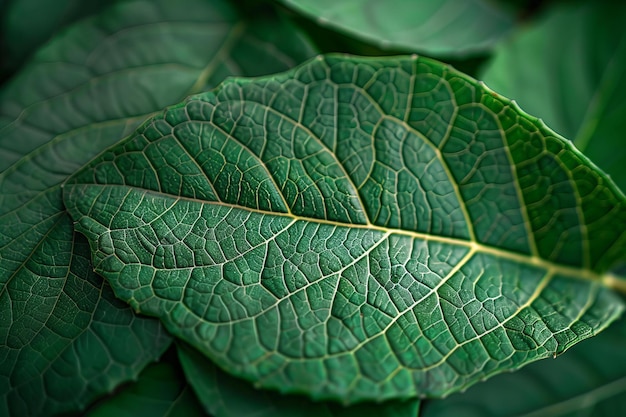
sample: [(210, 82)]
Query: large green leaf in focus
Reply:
[(448, 27), (570, 68), (59, 326), (357, 229), (160, 391), (226, 396), (588, 380)]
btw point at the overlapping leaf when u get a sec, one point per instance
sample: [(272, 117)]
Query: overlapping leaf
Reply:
[(357, 229), (64, 337), (449, 27)]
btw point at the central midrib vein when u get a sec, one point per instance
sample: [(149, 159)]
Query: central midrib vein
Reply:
[(607, 279)]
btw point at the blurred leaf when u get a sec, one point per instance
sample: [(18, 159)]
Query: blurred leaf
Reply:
[(63, 339), (328, 40), (226, 396), (26, 24), (587, 380), (570, 68), (446, 27)]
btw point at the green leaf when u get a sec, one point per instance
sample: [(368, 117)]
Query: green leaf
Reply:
[(161, 390), (223, 396), (66, 339), (357, 229), (448, 27), (83, 92), (588, 380), (26, 24), (574, 79)]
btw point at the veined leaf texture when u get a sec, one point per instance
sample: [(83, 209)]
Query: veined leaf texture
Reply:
[(357, 228)]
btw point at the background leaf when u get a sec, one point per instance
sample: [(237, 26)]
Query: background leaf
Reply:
[(65, 338), (448, 27), (574, 79), (588, 380), (160, 390), (226, 396), (27, 24), (356, 229), (84, 91)]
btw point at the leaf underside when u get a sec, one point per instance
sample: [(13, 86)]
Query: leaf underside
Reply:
[(356, 229)]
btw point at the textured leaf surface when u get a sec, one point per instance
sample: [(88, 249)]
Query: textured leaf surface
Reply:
[(160, 391), (588, 380), (226, 396), (84, 91), (574, 79), (450, 27), (356, 229), (66, 339)]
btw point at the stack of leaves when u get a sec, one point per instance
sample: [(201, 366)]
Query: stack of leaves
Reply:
[(206, 209)]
